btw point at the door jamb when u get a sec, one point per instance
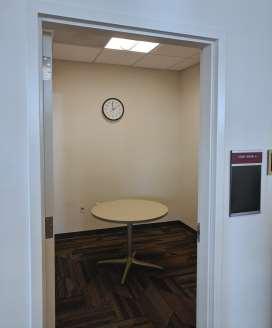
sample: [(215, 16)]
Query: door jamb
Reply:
[(216, 44)]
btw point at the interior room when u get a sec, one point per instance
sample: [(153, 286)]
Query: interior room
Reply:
[(125, 127)]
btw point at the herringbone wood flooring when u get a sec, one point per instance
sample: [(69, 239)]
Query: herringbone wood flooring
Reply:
[(90, 295)]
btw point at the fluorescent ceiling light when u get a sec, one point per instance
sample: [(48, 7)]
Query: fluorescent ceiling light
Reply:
[(130, 45)]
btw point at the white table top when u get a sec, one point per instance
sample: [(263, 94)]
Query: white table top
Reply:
[(129, 210)]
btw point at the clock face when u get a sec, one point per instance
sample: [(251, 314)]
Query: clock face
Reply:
[(113, 109)]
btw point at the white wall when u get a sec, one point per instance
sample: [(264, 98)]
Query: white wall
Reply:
[(150, 153), (247, 267), (14, 197)]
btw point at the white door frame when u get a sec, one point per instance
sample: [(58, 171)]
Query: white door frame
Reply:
[(48, 181), (211, 165)]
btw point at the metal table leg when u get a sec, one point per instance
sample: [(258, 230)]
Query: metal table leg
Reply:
[(130, 259)]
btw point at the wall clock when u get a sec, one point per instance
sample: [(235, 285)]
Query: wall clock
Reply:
[(113, 109)]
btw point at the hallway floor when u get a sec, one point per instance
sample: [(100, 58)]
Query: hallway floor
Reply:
[(91, 295)]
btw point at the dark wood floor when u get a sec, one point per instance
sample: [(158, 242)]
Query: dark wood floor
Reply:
[(91, 295)]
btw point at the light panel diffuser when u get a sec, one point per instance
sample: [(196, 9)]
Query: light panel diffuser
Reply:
[(130, 45)]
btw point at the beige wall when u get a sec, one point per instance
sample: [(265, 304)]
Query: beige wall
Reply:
[(150, 153), (188, 144)]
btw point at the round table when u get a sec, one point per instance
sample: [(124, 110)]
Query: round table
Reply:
[(129, 211)]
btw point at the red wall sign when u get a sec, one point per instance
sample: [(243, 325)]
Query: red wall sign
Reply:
[(246, 157)]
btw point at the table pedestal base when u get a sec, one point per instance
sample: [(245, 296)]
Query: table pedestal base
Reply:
[(130, 259)]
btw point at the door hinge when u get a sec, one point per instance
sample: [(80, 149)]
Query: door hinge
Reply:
[(49, 233), (198, 232)]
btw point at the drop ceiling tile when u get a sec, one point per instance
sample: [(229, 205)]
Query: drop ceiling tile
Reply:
[(118, 57), (74, 52), (157, 61), (94, 40), (78, 35), (188, 62), (175, 51)]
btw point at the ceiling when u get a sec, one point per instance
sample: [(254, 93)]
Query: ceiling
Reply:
[(87, 45)]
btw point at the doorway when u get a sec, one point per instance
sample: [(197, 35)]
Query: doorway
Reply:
[(205, 180)]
